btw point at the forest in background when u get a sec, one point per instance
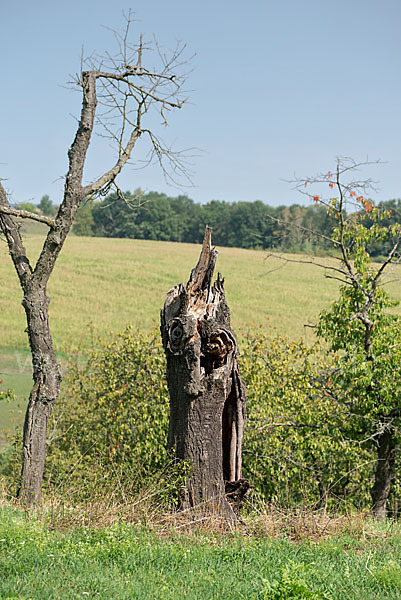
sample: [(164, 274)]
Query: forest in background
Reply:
[(156, 216)]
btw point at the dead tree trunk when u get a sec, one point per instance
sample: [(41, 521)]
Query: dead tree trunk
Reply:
[(207, 396), (45, 391)]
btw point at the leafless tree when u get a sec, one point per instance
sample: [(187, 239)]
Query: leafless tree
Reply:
[(120, 92)]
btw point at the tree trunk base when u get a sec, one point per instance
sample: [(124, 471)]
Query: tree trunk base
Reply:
[(384, 474), (236, 492)]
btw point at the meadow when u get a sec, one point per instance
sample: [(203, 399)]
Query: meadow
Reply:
[(127, 561), (102, 285)]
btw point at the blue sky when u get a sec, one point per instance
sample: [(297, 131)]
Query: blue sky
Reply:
[(278, 88)]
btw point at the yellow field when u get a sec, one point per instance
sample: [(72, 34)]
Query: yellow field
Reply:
[(100, 286)]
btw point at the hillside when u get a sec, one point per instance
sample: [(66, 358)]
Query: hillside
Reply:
[(101, 285)]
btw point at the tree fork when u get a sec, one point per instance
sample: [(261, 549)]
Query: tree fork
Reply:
[(207, 395)]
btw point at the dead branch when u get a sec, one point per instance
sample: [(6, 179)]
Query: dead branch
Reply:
[(301, 228), (310, 261), (16, 247), (26, 214)]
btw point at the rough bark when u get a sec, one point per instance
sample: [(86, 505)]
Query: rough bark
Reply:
[(384, 474), (46, 371), (207, 396), (45, 391)]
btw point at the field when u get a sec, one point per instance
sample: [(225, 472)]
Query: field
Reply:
[(124, 561), (100, 286)]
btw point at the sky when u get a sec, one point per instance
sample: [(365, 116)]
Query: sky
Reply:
[(278, 89)]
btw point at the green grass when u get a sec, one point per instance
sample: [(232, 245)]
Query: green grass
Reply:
[(15, 374), (128, 562)]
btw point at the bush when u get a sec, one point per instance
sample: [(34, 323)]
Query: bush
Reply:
[(111, 424), (112, 418), (296, 447)]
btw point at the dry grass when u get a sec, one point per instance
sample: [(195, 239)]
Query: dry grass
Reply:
[(145, 510), (100, 286)]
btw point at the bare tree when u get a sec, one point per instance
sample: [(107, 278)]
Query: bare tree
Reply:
[(119, 94)]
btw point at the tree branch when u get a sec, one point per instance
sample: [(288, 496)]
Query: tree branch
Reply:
[(26, 214), (303, 229), (10, 228), (387, 261), (311, 261), (124, 78), (112, 173)]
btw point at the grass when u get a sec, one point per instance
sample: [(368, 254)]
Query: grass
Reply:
[(126, 561), (15, 374)]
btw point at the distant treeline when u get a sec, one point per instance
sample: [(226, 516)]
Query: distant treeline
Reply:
[(155, 216)]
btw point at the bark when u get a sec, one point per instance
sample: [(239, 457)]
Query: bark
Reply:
[(45, 391), (384, 473), (46, 371), (207, 395)]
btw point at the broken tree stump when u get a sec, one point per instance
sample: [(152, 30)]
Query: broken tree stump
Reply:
[(207, 395)]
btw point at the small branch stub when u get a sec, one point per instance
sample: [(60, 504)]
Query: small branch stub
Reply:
[(207, 395)]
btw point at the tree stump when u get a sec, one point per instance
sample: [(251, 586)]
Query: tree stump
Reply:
[(207, 396)]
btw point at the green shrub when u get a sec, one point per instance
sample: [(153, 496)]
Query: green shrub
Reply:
[(111, 424), (296, 449), (111, 420)]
